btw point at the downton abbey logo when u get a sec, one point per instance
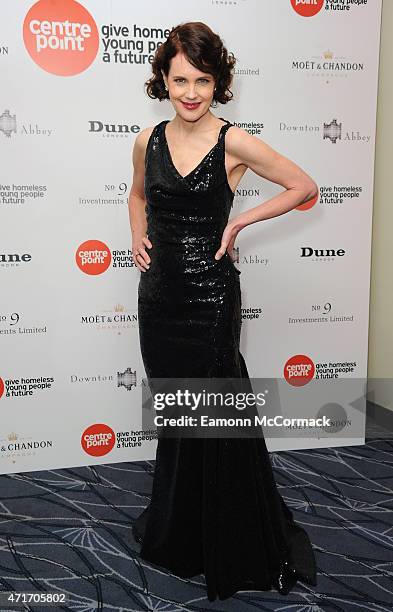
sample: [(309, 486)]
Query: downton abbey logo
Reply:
[(8, 126), (254, 258), (127, 379), (7, 123), (332, 131)]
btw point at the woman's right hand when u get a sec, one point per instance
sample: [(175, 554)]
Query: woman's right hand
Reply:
[(139, 253)]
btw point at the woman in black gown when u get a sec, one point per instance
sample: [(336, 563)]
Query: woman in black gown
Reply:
[(215, 508)]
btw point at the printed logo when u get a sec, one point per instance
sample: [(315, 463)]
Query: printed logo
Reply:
[(13, 259), (25, 387), (93, 257), (307, 8), (7, 123), (117, 130), (299, 370), (321, 254), (98, 440), (309, 204), (116, 318), (127, 379), (14, 446), (60, 36), (332, 131)]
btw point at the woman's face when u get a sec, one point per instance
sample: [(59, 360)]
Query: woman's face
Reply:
[(190, 90)]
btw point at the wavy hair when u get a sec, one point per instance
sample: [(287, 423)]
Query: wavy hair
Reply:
[(204, 50)]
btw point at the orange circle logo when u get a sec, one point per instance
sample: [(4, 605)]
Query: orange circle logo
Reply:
[(309, 204), (299, 370), (60, 36), (307, 8), (98, 440), (93, 257), (1, 387)]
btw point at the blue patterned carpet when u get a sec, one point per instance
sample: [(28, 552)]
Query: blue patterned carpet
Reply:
[(70, 530)]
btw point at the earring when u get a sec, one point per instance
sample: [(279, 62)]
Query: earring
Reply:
[(166, 88)]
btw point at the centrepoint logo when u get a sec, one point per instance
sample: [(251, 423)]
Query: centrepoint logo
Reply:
[(60, 36), (93, 257), (309, 204), (299, 370), (98, 440), (1, 387), (307, 8)]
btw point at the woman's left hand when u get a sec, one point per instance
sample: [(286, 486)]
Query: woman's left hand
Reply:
[(228, 240)]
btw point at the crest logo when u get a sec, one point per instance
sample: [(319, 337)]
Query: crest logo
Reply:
[(7, 123)]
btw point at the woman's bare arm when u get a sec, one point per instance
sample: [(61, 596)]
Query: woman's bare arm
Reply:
[(137, 203), (262, 159)]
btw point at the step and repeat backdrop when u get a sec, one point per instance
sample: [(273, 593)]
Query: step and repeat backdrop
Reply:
[(72, 101)]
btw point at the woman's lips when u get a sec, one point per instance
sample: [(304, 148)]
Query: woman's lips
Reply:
[(191, 106)]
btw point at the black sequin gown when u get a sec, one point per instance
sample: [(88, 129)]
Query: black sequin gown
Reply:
[(215, 509)]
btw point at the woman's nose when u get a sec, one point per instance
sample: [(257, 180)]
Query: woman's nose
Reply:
[(191, 93)]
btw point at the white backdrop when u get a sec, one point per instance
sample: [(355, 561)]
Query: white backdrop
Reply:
[(306, 83)]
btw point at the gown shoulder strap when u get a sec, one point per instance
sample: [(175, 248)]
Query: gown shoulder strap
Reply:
[(154, 140), (226, 126)]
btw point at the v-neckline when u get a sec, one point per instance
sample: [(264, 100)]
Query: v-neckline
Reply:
[(185, 177)]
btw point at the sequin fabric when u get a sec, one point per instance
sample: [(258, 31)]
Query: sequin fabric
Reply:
[(193, 299), (215, 508)]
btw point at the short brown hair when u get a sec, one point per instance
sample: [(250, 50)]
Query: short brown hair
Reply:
[(204, 50)]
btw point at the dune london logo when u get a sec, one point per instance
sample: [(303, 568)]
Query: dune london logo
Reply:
[(61, 37), (113, 128), (321, 254), (13, 259)]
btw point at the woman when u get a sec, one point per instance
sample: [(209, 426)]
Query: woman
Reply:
[(215, 509)]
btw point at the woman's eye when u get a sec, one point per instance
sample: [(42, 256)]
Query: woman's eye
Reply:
[(200, 80)]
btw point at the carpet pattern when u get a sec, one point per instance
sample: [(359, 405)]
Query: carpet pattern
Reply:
[(69, 531)]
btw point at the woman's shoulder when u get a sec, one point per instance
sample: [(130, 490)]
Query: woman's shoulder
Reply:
[(145, 135), (239, 137)]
